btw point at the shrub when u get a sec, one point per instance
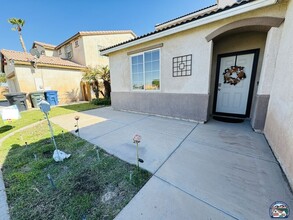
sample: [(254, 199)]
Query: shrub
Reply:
[(101, 101)]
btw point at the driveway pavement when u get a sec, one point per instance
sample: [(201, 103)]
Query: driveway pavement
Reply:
[(201, 171)]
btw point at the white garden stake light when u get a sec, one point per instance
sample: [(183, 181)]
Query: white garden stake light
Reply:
[(58, 155), (137, 140)]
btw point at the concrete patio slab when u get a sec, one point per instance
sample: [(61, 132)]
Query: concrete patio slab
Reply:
[(215, 170), (166, 126), (154, 148), (167, 202), (237, 138), (68, 122), (242, 186), (117, 116), (113, 131)]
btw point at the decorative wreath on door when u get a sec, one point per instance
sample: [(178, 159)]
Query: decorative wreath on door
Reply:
[(234, 75)]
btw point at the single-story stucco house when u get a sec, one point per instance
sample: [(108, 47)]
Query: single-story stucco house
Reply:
[(232, 59)]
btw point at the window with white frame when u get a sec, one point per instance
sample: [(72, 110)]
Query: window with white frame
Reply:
[(145, 70), (68, 51)]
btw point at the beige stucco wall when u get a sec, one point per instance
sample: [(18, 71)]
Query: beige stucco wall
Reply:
[(65, 81), (92, 45), (235, 43), (279, 123), (87, 52), (48, 52), (269, 63), (78, 51), (188, 42)]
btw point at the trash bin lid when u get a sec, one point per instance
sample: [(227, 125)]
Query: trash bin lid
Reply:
[(51, 91), (15, 94), (37, 93)]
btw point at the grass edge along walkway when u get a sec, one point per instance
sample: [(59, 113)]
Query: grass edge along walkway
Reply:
[(34, 115), (83, 194)]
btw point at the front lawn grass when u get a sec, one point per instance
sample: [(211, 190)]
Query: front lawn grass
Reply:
[(86, 188), (35, 115)]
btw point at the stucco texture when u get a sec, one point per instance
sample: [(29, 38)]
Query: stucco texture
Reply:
[(65, 81), (279, 122), (193, 41), (87, 52)]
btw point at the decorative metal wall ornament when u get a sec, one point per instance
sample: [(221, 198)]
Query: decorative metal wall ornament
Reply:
[(182, 65), (234, 75)]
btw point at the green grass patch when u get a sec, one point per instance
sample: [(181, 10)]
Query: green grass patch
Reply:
[(85, 186), (35, 115)]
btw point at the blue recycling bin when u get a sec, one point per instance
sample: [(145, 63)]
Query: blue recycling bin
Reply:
[(52, 97)]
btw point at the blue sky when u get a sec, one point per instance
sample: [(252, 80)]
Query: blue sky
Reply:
[(53, 21)]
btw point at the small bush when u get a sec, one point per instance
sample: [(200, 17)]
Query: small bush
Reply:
[(101, 101)]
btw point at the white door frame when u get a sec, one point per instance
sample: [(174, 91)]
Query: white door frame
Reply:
[(251, 86)]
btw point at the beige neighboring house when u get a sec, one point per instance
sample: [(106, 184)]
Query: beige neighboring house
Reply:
[(60, 67), (27, 74), (83, 47), (45, 49), (233, 59)]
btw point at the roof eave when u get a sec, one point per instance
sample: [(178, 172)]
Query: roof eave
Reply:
[(16, 62), (43, 45), (166, 23), (78, 34), (68, 40), (206, 20)]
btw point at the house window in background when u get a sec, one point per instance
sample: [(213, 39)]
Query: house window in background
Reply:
[(68, 51), (145, 70), (76, 43)]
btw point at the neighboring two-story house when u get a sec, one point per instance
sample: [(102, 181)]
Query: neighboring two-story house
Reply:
[(59, 67)]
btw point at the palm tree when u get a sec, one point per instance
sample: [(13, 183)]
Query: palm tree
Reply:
[(17, 26), (104, 74), (90, 75)]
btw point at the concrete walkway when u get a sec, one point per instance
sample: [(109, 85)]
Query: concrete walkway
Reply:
[(201, 171)]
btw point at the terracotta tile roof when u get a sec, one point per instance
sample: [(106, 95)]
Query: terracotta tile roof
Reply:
[(45, 45), (204, 15), (88, 33), (27, 57)]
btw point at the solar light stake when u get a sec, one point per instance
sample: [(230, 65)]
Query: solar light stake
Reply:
[(130, 175), (45, 108), (25, 144), (36, 158), (77, 126), (137, 139), (51, 130), (63, 134), (51, 181), (98, 154)]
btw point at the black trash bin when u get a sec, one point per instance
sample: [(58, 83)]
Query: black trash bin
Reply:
[(18, 99), (36, 97)]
